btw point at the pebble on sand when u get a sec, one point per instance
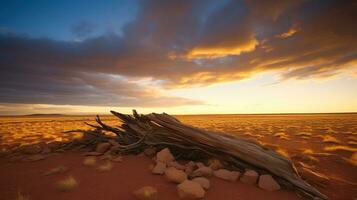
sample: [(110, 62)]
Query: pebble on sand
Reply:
[(204, 182), (146, 193), (67, 184), (165, 156), (267, 182), (89, 161), (226, 174), (202, 171), (249, 177), (176, 165), (174, 175), (190, 189), (159, 168), (106, 166)]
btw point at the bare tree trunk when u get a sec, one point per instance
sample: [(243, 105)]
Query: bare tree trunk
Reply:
[(138, 132)]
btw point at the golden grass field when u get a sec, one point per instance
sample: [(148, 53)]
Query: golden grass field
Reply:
[(323, 143)]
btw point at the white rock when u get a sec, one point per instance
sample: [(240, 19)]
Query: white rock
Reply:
[(174, 175), (159, 168), (165, 156), (102, 147), (176, 165), (146, 193), (202, 171), (190, 189), (204, 182), (267, 182), (249, 177), (226, 174)]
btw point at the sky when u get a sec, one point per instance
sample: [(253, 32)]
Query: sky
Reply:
[(179, 57)]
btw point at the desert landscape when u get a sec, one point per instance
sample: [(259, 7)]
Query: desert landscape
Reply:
[(323, 147), (178, 99)]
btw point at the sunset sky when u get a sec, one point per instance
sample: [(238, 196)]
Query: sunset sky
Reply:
[(179, 57)]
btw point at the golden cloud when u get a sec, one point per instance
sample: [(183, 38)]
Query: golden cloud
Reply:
[(289, 33), (218, 52)]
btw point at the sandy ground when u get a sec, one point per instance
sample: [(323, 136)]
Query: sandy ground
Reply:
[(118, 183)]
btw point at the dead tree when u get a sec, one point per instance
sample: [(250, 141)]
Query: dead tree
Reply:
[(137, 132)]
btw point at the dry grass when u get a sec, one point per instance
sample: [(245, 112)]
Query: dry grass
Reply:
[(282, 135), (304, 134), (107, 166), (330, 139), (67, 184), (340, 148), (89, 161), (283, 152)]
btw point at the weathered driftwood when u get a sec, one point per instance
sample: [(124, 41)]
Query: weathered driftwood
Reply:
[(138, 132)]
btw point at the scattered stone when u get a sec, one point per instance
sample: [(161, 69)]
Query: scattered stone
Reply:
[(165, 156), (146, 193), (35, 157), (31, 149), (102, 147), (176, 165), (107, 166), (190, 189), (215, 164), (89, 161), (150, 152), (204, 182), (202, 171), (249, 177), (174, 175), (67, 184), (267, 182), (56, 170), (159, 168), (227, 175)]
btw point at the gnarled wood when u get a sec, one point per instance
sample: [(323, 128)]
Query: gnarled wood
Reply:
[(140, 131)]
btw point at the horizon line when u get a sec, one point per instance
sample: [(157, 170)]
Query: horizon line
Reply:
[(88, 114)]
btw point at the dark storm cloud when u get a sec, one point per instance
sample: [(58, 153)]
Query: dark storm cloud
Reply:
[(181, 44)]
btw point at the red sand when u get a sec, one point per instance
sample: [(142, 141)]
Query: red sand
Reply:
[(119, 183)]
